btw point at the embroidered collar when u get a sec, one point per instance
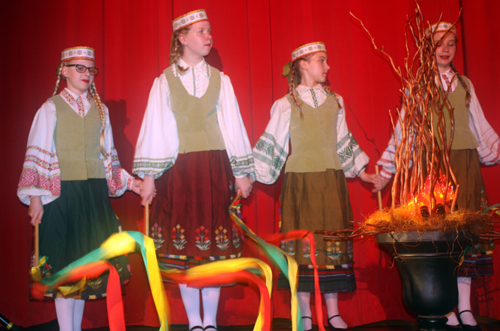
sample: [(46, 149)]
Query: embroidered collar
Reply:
[(447, 77), (71, 98), (301, 89), (203, 67)]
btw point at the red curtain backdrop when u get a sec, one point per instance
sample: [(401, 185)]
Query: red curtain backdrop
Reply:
[(252, 41)]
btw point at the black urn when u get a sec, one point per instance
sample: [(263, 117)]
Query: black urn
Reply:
[(428, 262)]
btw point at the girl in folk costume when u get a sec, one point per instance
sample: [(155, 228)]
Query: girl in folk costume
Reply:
[(314, 193), (474, 142), (70, 168), (194, 143)]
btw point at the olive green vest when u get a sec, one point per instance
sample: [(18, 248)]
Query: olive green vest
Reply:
[(77, 142), (463, 137), (314, 137), (196, 118)]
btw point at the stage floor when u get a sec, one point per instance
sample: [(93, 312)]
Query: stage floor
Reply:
[(486, 323)]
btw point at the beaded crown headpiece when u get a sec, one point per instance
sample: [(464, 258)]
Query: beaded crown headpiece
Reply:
[(441, 27), (308, 49), (189, 18), (78, 53)]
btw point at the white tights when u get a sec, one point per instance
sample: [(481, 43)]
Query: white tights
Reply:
[(464, 285), (332, 307), (70, 314), (210, 300)]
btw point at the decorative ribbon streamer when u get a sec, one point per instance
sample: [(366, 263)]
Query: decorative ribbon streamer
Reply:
[(276, 238), (287, 266), (91, 266), (91, 270), (225, 272)]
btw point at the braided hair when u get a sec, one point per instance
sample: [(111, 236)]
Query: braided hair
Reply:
[(177, 49), (102, 115), (460, 78), (58, 73)]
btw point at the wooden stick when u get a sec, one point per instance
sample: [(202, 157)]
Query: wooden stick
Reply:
[(379, 194), (37, 251), (146, 218)]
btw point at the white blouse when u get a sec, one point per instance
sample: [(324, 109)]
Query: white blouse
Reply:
[(158, 144), (41, 175), (271, 151)]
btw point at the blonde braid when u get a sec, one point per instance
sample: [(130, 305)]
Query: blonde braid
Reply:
[(333, 94), (100, 108), (291, 88), (58, 73), (467, 94), (176, 49)]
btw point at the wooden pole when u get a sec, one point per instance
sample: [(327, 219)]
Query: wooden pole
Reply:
[(146, 218), (37, 252), (379, 193)]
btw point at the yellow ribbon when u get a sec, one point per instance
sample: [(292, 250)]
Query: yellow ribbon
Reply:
[(231, 266)]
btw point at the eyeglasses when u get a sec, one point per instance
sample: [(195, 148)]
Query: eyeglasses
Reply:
[(81, 68)]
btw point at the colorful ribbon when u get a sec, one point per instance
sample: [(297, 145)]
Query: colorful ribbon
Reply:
[(93, 264), (276, 238), (287, 266), (226, 272)]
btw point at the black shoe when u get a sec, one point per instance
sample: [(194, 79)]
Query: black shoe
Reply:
[(457, 327), (210, 327), (331, 326), (468, 327), (311, 322), (196, 328)]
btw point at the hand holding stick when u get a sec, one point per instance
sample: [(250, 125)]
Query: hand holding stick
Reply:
[(146, 219), (379, 193)]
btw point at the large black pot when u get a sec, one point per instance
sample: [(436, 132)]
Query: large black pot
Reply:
[(427, 263)]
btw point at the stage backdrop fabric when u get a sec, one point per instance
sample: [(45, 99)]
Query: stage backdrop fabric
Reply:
[(252, 42)]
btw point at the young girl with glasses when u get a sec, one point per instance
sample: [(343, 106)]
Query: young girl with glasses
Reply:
[(314, 195), (474, 142), (194, 144), (70, 170)]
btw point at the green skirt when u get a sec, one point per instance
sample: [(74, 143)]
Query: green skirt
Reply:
[(75, 224), (478, 259), (318, 201)]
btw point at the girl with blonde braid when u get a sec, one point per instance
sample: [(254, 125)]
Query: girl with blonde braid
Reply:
[(314, 195), (194, 144), (474, 142), (70, 170)]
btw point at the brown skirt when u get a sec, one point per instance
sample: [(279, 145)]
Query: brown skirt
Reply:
[(190, 223), (465, 163), (319, 201)]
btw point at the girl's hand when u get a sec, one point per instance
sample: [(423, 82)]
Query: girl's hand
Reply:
[(137, 186), (369, 178), (379, 184), (244, 185), (148, 190), (35, 211)]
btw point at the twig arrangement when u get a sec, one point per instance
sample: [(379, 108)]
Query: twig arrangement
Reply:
[(422, 146), (422, 153)]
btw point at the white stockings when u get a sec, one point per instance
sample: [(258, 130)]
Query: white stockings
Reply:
[(332, 308), (464, 285), (191, 299), (70, 314)]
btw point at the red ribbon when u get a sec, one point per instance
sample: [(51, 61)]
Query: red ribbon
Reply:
[(91, 270), (276, 238)]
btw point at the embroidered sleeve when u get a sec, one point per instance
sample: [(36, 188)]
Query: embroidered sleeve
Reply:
[(233, 131), (158, 143), (271, 150), (118, 179), (487, 138), (41, 175), (351, 156)]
